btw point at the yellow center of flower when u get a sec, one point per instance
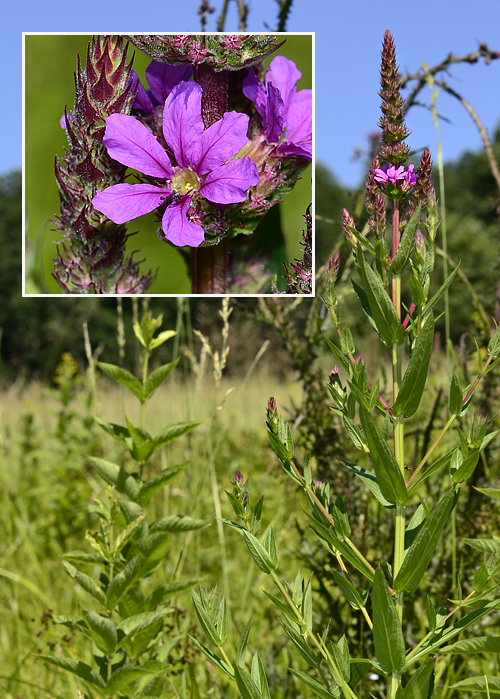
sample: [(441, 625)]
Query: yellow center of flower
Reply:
[(185, 181)]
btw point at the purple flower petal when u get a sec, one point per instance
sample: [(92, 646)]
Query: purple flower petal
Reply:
[(275, 112), (132, 144), (163, 77), (182, 122), (302, 149), (283, 74), (254, 90), (220, 142), (229, 183), (176, 226), (299, 125), (142, 100), (123, 202)]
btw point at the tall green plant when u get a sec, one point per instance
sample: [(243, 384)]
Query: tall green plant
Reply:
[(125, 621), (375, 419)]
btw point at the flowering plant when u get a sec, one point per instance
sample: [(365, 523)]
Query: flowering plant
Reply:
[(210, 171)]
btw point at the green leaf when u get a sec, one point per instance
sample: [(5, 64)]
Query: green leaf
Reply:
[(259, 677), (143, 444), (413, 383), (85, 672), (309, 655), (218, 662), (161, 338), (406, 243), (178, 523), (157, 377), (479, 644), (83, 557), (313, 684), (85, 582), (264, 560), (286, 609), (467, 467), (139, 623), (347, 340), (370, 481), (153, 485), (439, 293), (389, 477), (113, 474), (269, 544), (420, 553), (387, 633), (118, 432), (124, 377), (456, 396), (327, 536), (421, 683), (165, 591), (282, 452), (485, 545), (126, 534), (452, 631), (479, 684), (105, 634), (242, 644), (348, 590), (341, 359), (206, 623), (354, 432), (128, 673), (340, 654), (168, 434), (246, 685), (490, 492), (121, 582), (481, 579), (494, 344), (382, 309)]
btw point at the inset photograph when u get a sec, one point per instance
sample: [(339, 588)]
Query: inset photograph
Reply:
[(173, 164)]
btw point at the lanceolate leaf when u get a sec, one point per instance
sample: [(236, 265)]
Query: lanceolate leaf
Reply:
[(178, 523), (422, 549), (341, 359), (413, 384), (319, 689), (85, 582), (265, 561), (387, 633), (439, 293), (121, 582), (348, 590), (370, 481), (143, 444), (85, 672), (306, 652), (494, 344), (104, 632), (218, 662), (455, 396), (480, 644), (479, 684), (259, 677), (421, 683), (242, 644), (126, 674), (113, 474), (490, 492), (124, 377), (453, 630), (168, 434), (246, 685), (382, 309), (406, 243), (484, 545), (157, 377), (389, 477), (331, 541), (153, 485)]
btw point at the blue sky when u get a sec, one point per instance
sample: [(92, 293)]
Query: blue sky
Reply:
[(348, 40)]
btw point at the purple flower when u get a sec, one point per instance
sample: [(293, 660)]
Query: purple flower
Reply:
[(202, 169), (286, 114), (162, 78), (389, 173)]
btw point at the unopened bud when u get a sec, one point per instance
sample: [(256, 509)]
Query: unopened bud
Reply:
[(419, 247), (347, 225)]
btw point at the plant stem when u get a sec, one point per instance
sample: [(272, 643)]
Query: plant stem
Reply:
[(318, 642), (209, 269), (399, 540)]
